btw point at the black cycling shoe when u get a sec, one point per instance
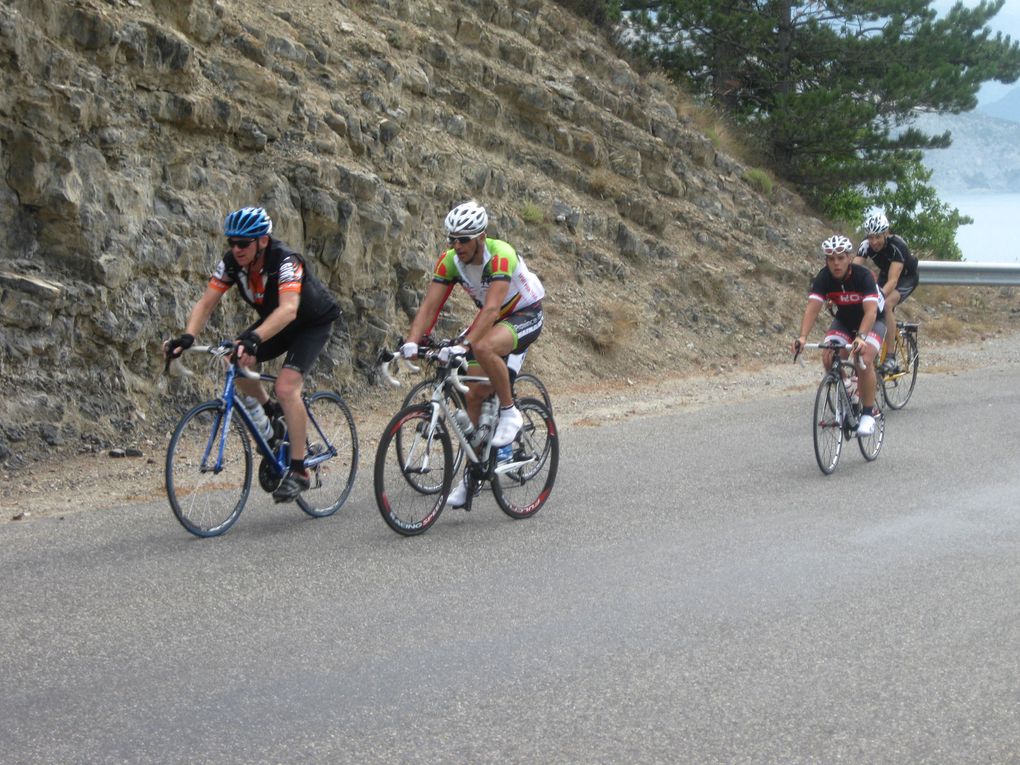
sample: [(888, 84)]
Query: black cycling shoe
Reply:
[(292, 484)]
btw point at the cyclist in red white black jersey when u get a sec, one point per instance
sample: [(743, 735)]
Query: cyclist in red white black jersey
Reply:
[(296, 314), (897, 270), (858, 302), (509, 319)]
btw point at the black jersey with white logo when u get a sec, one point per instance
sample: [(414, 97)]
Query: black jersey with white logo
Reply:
[(848, 295)]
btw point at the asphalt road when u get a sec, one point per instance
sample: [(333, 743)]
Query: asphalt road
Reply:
[(695, 591)]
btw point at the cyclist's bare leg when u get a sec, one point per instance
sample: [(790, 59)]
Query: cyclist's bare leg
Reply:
[(867, 383), (489, 352), (252, 388), (289, 384), (890, 306), (477, 393)]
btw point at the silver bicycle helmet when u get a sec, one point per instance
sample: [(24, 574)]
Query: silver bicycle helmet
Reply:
[(837, 244), (467, 219), (876, 224)]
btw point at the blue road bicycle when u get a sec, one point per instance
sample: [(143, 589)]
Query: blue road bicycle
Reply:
[(210, 462)]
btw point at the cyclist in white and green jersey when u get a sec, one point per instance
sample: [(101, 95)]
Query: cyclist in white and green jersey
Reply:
[(509, 318)]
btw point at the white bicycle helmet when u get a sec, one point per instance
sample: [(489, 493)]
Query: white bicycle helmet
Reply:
[(876, 224), (837, 244), (467, 219)]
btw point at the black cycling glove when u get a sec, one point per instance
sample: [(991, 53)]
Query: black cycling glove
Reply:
[(250, 342), (183, 342)]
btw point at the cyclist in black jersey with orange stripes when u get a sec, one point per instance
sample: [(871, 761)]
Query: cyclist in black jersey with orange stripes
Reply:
[(852, 290), (897, 270), (296, 314)]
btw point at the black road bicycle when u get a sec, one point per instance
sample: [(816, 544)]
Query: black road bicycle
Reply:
[(837, 414)]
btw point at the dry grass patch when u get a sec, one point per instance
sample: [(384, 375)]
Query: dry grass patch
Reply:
[(611, 329)]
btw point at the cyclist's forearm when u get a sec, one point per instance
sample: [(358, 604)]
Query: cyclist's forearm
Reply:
[(428, 313), (810, 316), (868, 320), (201, 312), (281, 316)]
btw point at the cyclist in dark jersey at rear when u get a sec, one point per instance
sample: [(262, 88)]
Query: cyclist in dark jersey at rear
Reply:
[(296, 314), (897, 270), (851, 289)]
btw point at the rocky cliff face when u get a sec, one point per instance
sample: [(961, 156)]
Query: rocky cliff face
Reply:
[(128, 128)]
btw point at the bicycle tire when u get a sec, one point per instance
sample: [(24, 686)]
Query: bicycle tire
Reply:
[(408, 448), (827, 426), (421, 394), (898, 388), (526, 385), (330, 426), (871, 445), (206, 502), (522, 491)]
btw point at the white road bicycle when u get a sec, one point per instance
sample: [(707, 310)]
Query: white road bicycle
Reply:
[(415, 464)]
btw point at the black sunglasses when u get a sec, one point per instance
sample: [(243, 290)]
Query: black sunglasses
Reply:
[(460, 239), (241, 244)]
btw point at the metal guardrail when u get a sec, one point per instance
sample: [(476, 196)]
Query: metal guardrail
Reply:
[(974, 274)]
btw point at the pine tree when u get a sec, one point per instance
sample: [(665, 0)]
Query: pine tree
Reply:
[(831, 87)]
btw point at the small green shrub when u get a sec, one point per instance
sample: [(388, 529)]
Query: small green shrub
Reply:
[(758, 179), (532, 213)]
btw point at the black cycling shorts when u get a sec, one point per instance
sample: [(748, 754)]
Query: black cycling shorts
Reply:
[(526, 326), (301, 344), (905, 285)]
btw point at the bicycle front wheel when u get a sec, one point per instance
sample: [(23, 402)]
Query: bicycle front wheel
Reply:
[(828, 425), (897, 388), (522, 485), (872, 445), (206, 493), (330, 431), (421, 394), (413, 453), (528, 386)]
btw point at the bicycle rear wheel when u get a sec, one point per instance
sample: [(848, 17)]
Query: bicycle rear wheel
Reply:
[(411, 453), (330, 430), (421, 394), (872, 445), (528, 386), (828, 425), (897, 388), (206, 500), (523, 485)]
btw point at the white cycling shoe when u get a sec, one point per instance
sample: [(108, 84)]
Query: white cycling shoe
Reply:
[(510, 422), (866, 426), (458, 495)]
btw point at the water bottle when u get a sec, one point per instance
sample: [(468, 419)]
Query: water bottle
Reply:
[(464, 423), (258, 416), (505, 453), (485, 422)]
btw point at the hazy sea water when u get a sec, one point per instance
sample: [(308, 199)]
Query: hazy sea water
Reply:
[(994, 237)]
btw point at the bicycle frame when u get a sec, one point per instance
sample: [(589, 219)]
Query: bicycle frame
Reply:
[(228, 397), (850, 418), (450, 376)]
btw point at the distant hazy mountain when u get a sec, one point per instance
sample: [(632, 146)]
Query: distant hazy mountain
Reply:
[(1006, 108), (984, 156)]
